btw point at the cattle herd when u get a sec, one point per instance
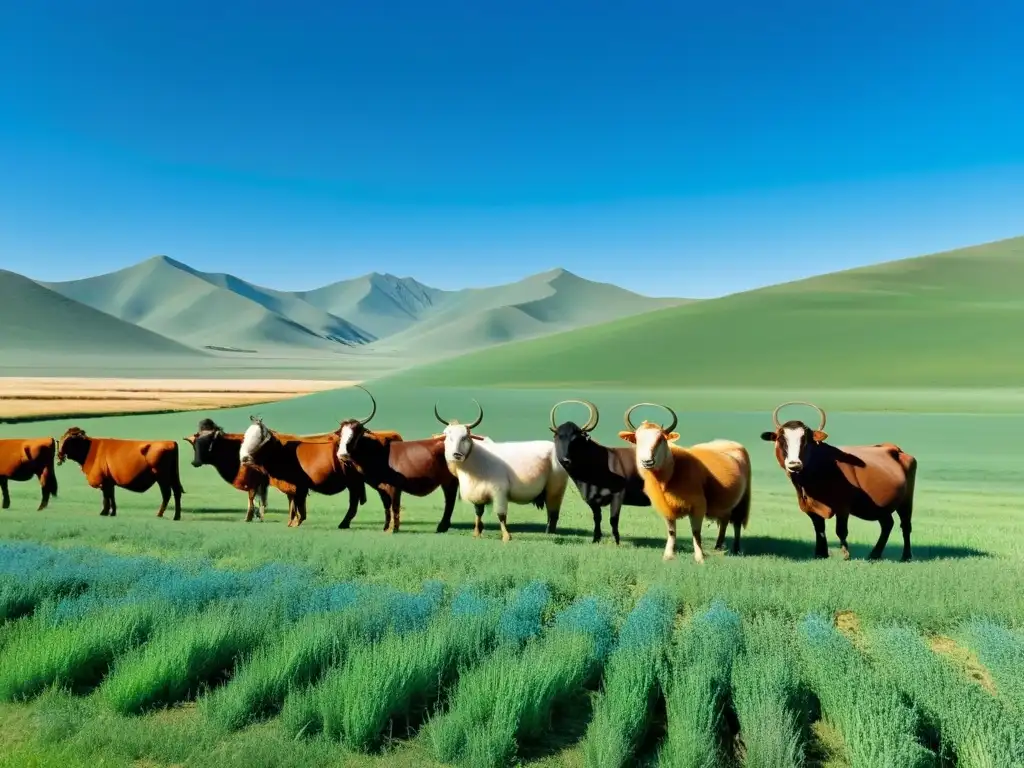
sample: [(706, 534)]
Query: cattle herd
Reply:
[(708, 480)]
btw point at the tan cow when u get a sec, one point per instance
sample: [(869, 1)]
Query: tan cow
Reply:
[(24, 458)]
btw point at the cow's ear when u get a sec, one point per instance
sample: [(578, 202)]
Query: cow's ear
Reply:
[(438, 437), (191, 439), (672, 436), (819, 437), (475, 437), (629, 437), (769, 437)]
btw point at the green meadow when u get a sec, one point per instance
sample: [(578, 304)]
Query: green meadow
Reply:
[(212, 642)]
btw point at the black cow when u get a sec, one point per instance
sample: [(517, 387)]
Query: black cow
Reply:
[(605, 477)]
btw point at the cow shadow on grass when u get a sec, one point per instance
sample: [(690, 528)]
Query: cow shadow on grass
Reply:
[(751, 546)]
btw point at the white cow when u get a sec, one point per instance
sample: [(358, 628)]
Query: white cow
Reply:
[(523, 472)]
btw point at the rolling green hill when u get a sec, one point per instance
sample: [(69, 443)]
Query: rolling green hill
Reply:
[(945, 320), (37, 320), (383, 316)]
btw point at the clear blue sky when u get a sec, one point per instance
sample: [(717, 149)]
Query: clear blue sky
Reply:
[(674, 148)]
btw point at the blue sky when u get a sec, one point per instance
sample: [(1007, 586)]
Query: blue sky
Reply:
[(673, 148)]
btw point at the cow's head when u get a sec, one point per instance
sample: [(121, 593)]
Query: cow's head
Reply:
[(458, 438), (203, 442), (794, 438), (255, 437), (351, 430), (651, 440), (569, 437), (73, 444)]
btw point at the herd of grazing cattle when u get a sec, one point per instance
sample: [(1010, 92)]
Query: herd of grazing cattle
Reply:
[(708, 480)]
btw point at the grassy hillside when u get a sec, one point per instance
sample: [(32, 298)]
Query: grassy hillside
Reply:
[(375, 313), (35, 319), (949, 319)]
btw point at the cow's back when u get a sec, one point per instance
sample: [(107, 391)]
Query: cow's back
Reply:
[(318, 463), (23, 456), (129, 462), (882, 477)]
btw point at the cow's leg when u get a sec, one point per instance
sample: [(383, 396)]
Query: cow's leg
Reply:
[(554, 493), (820, 542), (723, 526), (698, 549), (5, 501), (177, 490), (886, 522), (450, 491), (113, 501), (478, 526), (739, 513), (300, 506), (250, 509), (165, 497), (391, 498), (905, 512), (501, 510), (595, 508), (842, 531), (670, 540), (353, 507), (46, 481), (613, 514), (264, 489), (291, 510)]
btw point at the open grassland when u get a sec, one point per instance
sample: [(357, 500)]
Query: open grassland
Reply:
[(953, 319), (209, 641), (70, 397)]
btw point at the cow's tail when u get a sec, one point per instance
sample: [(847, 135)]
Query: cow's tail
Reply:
[(50, 481), (175, 473), (741, 512)]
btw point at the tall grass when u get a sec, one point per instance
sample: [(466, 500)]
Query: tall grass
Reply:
[(509, 699), (766, 695), (185, 655), (696, 684), (974, 725), (77, 656), (1001, 650), (877, 726), (623, 711)]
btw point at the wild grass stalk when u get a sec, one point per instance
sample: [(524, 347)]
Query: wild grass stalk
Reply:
[(623, 711), (696, 683), (766, 695), (509, 699), (876, 725), (979, 729)]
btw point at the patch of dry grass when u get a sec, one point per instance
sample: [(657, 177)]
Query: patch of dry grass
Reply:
[(71, 396)]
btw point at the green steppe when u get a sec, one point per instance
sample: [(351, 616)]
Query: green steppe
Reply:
[(925, 353)]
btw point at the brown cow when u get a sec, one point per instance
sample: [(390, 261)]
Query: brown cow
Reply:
[(866, 481), (24, 458), (416, 467), (301, 465), (135, 465), (212, 445)]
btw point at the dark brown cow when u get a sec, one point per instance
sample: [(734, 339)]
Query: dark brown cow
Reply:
[(24, 458), (866, 481), (297, 466), (416, 467), (135, 465)]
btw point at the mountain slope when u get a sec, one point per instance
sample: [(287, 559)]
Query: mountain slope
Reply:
[(949, 319), (37, 319), (202, 310)]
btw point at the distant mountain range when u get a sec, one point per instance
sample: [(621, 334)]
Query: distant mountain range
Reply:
[(162, 305)]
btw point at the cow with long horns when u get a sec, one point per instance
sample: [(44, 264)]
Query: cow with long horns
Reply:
[(604, 476), (297, 466), (866, 481), (416, 467), (500, 473), (704, 480)]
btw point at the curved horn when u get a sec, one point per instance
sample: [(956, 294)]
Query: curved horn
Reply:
[(675, 419), (775, 413), (438, 416), (592, 419), (479, 418), (373, 413)]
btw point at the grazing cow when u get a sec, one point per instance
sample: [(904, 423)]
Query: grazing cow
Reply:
[(524, 472), (704, 480), (866, 481), (604, 476), (297, 466), (394, 467), (24, 458), (135, 465)]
